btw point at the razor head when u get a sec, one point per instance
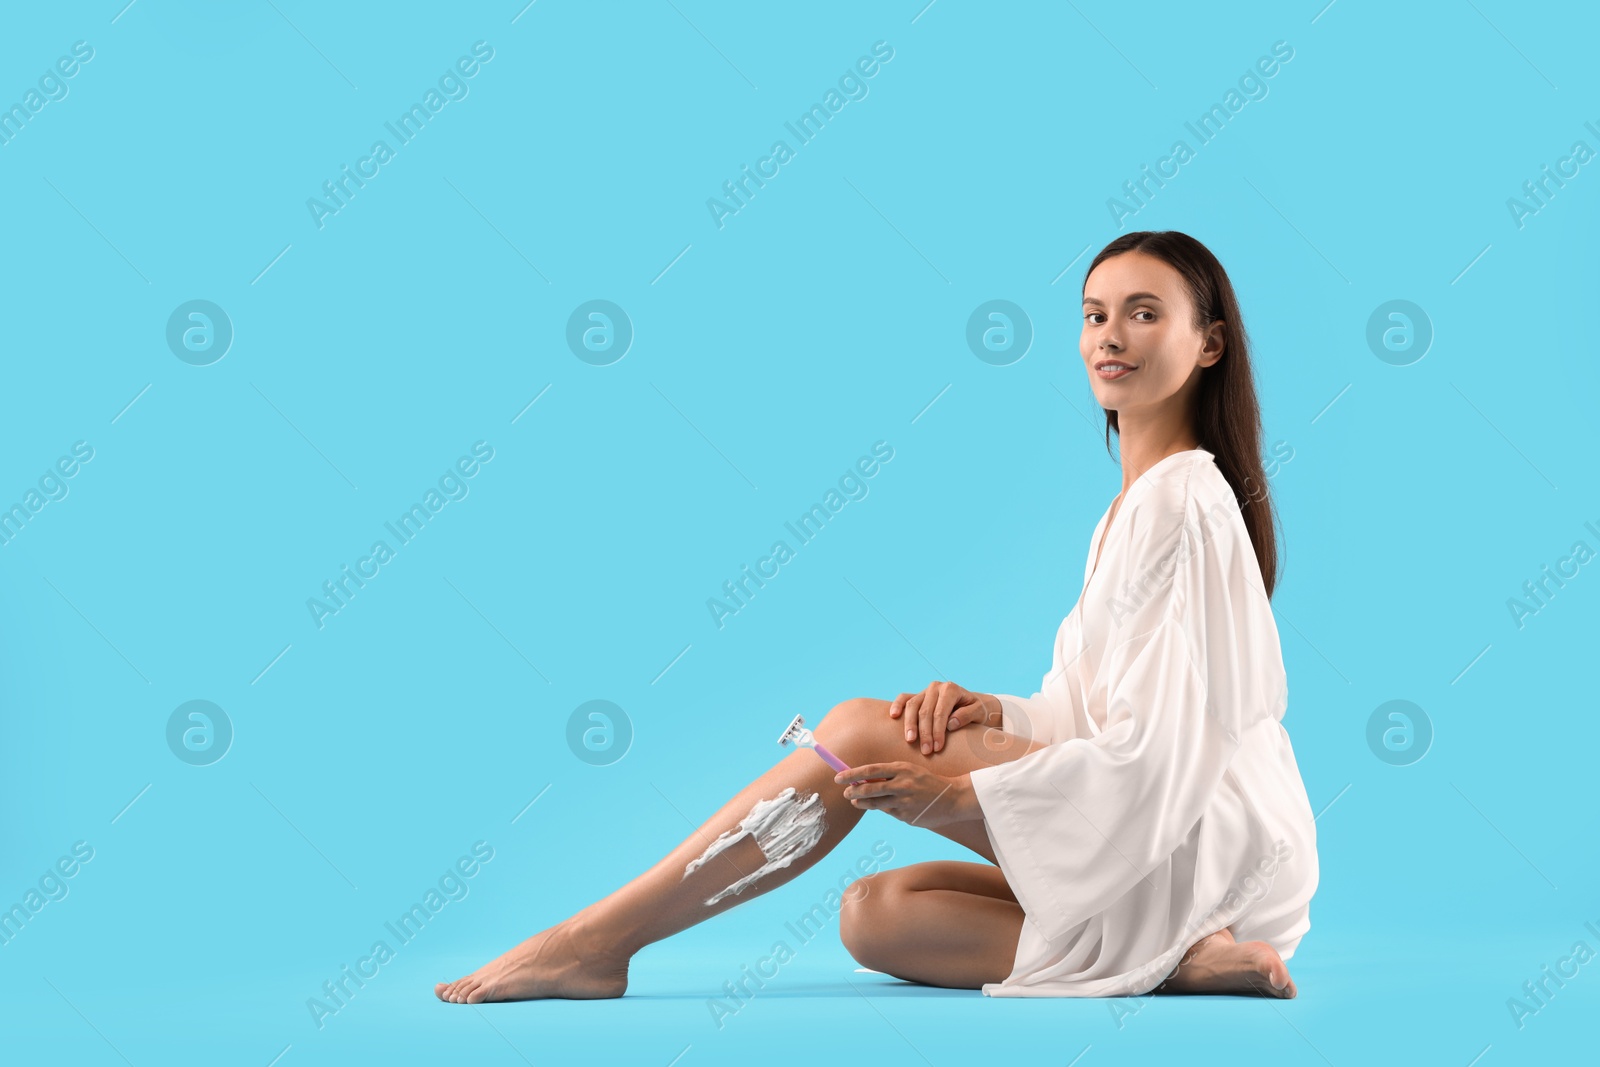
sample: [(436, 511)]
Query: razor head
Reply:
[(794, 731)]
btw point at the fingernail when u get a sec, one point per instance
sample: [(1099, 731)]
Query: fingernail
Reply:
[(910, 735)]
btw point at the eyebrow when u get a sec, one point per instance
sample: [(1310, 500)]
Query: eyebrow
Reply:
[(1132, 297)]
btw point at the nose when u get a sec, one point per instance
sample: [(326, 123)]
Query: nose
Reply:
[(1110, 342)]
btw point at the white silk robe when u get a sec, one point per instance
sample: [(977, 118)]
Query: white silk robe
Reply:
[(1165, 803)]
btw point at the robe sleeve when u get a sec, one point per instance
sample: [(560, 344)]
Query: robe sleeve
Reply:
[(1192, 661), (1045, 717), (1030, 717), (1035, 717)]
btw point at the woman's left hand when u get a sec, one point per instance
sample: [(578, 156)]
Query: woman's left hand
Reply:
[(911, 793)]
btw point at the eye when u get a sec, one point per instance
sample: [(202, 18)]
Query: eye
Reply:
[(1091, 315), (1146, 311)]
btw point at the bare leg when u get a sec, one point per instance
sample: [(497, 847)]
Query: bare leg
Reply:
[(586, 956), (954, 924), (942, 922)]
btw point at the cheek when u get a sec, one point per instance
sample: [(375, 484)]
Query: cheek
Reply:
[(1160, 380), (1174, 374)]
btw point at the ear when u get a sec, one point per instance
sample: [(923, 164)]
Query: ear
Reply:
[(1211, 350)]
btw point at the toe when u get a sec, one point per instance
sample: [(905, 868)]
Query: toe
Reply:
[(478, 994), (1261, 969), (439, 989), (1277, 975)]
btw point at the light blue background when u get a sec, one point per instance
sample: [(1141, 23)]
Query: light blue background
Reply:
[(769, 355)]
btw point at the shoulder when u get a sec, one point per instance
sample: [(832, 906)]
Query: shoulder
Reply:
[(1182, 490), (1208, 497), (1189, 527), (1191, 559)]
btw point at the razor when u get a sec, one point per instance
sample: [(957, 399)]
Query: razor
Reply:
[(797, 733)]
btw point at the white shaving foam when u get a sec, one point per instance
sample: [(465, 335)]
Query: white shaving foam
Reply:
[(785, 828)]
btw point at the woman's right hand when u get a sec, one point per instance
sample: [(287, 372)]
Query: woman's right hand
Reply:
[(938, 709)]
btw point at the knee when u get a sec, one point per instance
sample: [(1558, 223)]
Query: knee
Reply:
[(854, 729), (866, 915)]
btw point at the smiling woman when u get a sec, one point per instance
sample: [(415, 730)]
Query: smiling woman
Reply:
[(1162, 838), (1138, 812)]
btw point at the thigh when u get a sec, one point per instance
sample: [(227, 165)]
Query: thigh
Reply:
[(980, 879)]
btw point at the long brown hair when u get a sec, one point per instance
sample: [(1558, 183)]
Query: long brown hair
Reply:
[(1229, 417)]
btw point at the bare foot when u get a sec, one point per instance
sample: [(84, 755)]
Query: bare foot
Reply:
[(559, 962), (1219, 964)]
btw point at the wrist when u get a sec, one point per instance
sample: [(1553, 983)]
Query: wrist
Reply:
[(967, 806)]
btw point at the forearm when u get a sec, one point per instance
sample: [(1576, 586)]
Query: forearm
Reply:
[(965, 806)]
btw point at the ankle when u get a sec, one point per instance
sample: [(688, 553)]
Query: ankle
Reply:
[(591, 940)]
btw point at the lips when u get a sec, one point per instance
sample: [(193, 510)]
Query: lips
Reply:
[(1113, 363)]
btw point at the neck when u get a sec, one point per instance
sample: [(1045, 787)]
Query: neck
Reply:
[(1142, 446)]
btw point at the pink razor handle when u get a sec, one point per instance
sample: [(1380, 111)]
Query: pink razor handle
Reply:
[(833, 761)]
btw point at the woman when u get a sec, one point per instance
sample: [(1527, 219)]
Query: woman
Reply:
[(1143, 816)]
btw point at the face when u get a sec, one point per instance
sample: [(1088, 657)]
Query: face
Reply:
[(1136, 311)]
